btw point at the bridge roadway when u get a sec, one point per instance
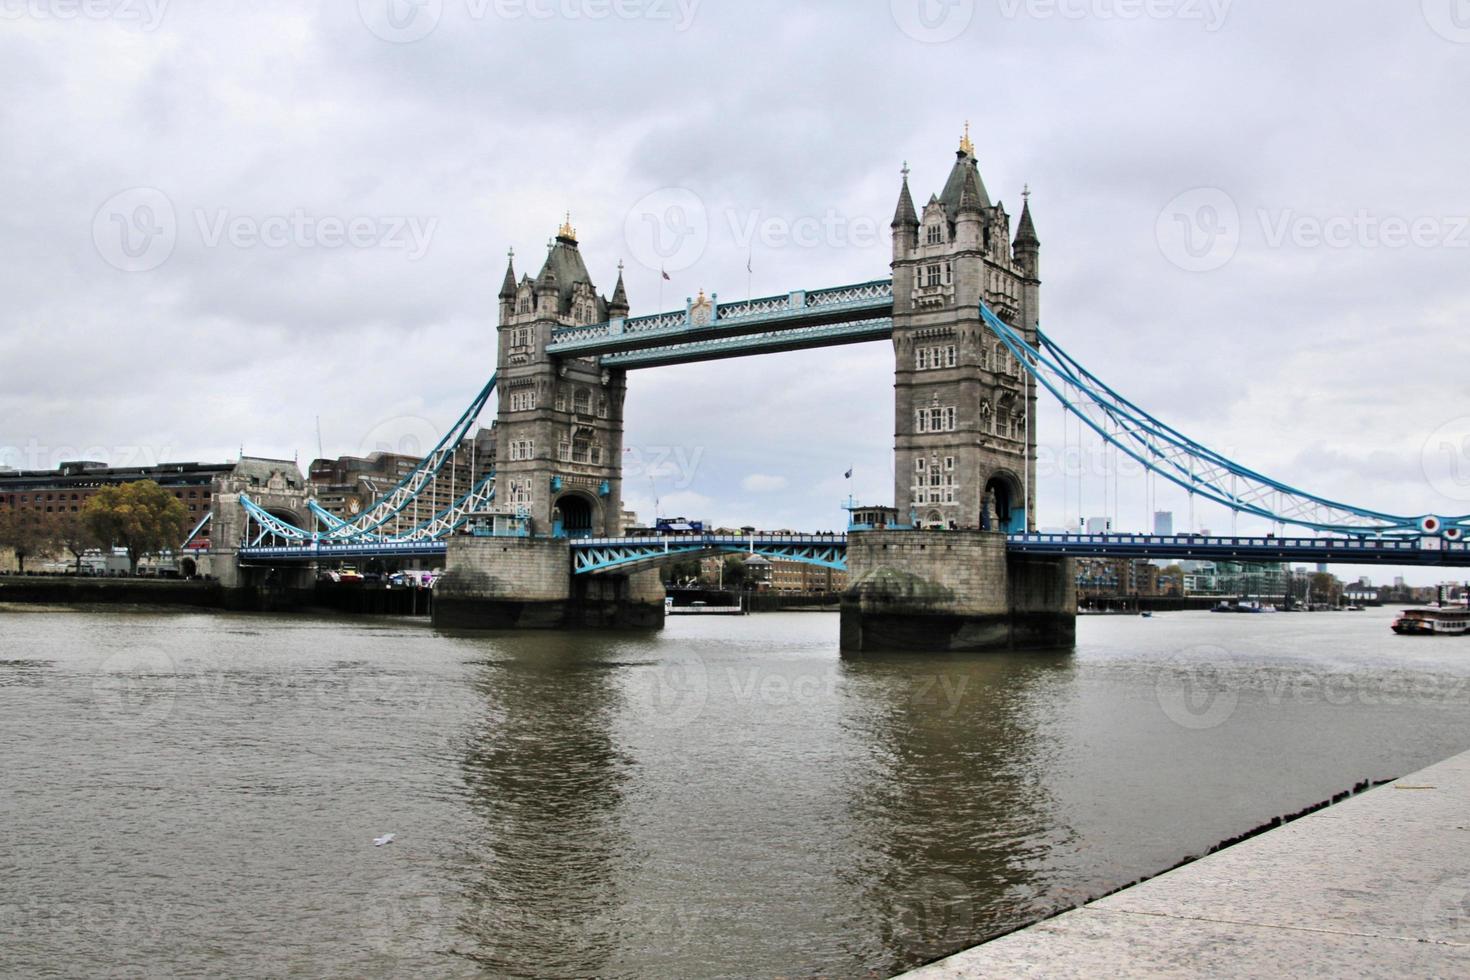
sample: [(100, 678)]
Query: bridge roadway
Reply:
[(804, 319), (600, 555)]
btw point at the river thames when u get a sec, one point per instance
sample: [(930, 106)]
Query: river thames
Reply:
[(190, 794)]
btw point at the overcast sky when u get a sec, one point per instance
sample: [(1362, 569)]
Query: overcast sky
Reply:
[(224, 220)]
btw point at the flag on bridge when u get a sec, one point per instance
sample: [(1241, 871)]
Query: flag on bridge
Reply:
[(848, 476), (665, 274)]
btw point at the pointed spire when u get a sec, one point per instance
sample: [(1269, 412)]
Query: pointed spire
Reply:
[(905, 216), (618, 305), (967, 146), (964, 178), (508, 288), (970, 193), (1026, 229)]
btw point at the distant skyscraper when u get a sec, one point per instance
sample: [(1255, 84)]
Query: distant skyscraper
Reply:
[(1322, 568), (1098, 525), (1164, 523)]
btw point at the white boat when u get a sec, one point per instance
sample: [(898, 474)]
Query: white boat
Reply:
[(1433, 622)]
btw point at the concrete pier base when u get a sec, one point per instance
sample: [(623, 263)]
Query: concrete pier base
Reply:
[(953, 591), (527, 583), (1378, 886)]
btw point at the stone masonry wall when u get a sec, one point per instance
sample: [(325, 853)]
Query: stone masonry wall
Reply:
[(959, 572), (517, 569)]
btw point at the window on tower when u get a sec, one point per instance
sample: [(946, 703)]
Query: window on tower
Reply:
[(936, 235)]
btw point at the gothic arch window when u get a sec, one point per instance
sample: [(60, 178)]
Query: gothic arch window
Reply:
[(935, 234), (582, 402)]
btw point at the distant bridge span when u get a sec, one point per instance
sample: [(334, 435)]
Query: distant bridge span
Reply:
[(596, 556)]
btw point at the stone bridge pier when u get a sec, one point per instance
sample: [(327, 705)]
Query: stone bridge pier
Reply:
[(278, 487)]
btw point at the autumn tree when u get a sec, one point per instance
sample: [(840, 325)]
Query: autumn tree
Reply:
[(71, 532), (25, 532), (141, 518)]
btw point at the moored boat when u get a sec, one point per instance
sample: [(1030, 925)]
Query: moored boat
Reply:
[(1433, 622)]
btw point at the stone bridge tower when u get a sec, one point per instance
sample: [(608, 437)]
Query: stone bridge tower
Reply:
[(965, 408), (965, 456), (559, 443), (559, 461)]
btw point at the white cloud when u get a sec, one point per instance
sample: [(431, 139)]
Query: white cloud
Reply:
[(760, 483), (262, 110)]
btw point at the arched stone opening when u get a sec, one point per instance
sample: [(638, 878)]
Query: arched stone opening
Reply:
[(574, 516), (1010, 506)]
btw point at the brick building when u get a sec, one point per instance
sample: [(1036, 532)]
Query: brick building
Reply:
[(66, 489)]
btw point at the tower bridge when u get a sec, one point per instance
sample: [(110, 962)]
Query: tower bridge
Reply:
[(537, 540)]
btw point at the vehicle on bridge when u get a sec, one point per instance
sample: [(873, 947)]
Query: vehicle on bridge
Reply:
[(677, 525)]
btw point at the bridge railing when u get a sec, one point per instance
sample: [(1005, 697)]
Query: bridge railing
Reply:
[(688, 540), (641, 332), (1335, 545)]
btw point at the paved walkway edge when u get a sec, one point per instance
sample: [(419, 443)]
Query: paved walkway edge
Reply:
[(1376, 886)]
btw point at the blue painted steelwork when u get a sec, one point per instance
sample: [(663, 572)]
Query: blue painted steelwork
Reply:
[(197, 529), (1194, 467), (266, 526), (1333, 550), (599, 555), (283, 555), (863, 312), (606, 555), (801, 309), (771, 342), (408, 490)]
